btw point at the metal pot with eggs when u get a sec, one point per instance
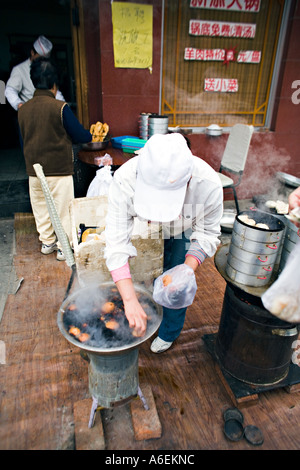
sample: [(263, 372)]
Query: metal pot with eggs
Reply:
[(93, 319), (255, 245)]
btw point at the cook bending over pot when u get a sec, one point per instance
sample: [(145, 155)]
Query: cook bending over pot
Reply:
[(165, 183)]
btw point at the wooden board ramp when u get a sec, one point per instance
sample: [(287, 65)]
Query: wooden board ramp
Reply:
[(44, 377)]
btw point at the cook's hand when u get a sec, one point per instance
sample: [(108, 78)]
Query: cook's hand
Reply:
[(134, 312), (136, 316)]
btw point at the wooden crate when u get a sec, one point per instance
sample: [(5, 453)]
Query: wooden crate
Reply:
[(89, 256)]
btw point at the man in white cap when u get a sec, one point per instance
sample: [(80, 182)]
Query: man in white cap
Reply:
[(165, 183), (19, 87)]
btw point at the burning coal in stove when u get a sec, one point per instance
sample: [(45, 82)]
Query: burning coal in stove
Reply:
[(96, 318)]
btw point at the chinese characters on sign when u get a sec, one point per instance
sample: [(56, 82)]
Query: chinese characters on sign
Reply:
[(226, 30), (132, 35), (204, 54), (232, 5), (229, 85), (221, 29), (249, 57)]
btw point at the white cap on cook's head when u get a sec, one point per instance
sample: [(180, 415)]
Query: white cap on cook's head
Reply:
[(164, 168), (43, 46)]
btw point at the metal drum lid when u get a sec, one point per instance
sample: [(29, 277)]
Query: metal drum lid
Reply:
[(233, 429), (233, 413), (253, 435)]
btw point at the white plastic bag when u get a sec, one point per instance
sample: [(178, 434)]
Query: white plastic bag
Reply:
[(100, 184), (282, 299), (175, 288)]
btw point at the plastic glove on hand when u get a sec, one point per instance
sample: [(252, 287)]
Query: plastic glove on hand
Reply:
[(176, 288)]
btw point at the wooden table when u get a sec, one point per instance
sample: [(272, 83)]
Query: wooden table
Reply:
[(119, 157), (85, 168)]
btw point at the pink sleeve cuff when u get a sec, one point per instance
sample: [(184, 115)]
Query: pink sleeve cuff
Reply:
[(121, 273), (195, 257)]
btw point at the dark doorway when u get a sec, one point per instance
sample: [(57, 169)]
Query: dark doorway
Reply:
[(20, 24)]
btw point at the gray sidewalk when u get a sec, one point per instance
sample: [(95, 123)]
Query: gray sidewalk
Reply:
[(14, 192), (9, 283)]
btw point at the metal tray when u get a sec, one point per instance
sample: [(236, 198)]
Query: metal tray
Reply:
[(227, 221), (96, 145), (290, 180)]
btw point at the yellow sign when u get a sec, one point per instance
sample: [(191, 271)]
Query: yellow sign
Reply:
[(132, 35)]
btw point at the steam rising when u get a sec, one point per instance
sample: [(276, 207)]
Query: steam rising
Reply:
[(85, 311), (264, 160)]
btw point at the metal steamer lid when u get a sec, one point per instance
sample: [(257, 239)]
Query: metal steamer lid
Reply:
[(274, 222), (136, 342)]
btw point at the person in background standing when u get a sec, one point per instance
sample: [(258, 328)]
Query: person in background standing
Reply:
[(19, 87), (48, 128)]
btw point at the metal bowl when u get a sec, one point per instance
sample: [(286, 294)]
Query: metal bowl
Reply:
[(214, 130), (89, 292), (227, 221), (287, 179), (96, 145)]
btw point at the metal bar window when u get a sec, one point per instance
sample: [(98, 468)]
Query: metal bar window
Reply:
[(218, 64)]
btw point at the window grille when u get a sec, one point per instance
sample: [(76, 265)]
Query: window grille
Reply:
[(190, 61)]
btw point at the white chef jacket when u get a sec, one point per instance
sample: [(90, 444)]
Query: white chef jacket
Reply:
[(19, 87), (201, 212)]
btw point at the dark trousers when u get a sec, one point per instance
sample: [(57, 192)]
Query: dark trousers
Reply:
[(175, 250)]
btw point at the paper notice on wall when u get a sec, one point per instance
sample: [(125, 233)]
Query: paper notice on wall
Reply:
[(132, 35)]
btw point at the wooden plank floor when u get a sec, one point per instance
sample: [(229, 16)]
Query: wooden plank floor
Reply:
[(44, 375)]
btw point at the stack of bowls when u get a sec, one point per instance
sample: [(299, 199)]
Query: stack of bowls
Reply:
[(157, 124), (143, 125)]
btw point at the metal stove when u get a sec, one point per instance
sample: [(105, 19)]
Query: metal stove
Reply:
[(252, 347), (113, 368)]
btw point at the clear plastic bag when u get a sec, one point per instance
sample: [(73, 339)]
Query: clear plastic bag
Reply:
[(102, 161), (100, 184), (282, 299), (175, 288)]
